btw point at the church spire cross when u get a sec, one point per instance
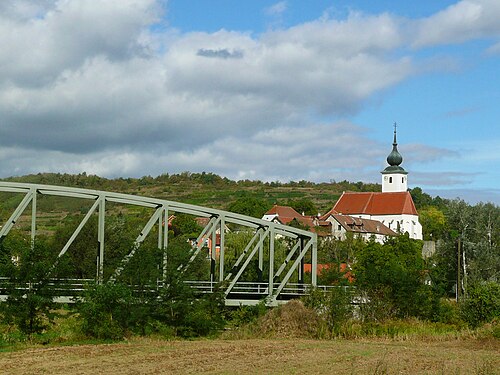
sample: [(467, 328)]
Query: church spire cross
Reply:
[(395, 142)]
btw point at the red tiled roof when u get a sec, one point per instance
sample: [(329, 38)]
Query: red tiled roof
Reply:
[(376, 204), (325, 216), (286, 214), (343, 268), (319, 267), (283, 212), (304, 220)]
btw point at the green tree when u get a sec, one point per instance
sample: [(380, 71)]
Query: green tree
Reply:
[(179, 308), (420, 198), (303, 206), (392, 274), (249, 206), (335, 306), (185, 225), (433, 222), (27, 267)]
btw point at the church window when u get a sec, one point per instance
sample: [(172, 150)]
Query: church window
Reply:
[(403, 179), (390, 180)]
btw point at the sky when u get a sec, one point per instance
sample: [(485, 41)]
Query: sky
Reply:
[(254, 89)]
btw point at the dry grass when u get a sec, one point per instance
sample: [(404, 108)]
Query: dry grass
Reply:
[(271, 356), (292, 320)]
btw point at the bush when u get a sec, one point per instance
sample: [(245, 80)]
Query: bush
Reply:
[(448, 312), (105, 311), (482, 304), (190, 315), (245, 315), (334, 306), (290, 320)]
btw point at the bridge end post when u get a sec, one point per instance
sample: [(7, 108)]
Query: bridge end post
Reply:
[(314, 261)]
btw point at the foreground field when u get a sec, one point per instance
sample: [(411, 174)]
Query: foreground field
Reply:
[(146, 356)]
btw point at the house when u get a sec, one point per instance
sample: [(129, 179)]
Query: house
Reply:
[(331, 224), (359, 227), (207, 239), (286, 215)]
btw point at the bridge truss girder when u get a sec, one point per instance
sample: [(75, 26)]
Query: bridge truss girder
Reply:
[(264, 238)]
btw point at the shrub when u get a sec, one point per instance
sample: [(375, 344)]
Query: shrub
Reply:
[(290, 320), (482, 304), (334, 306), (244, 315), (105, 311)]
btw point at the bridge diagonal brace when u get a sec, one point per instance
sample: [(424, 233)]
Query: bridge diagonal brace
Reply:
[(247, 261), (79, 228), (17, 213), (245, 251), (199, 243), (293, 268), (139, 240), (210, 227), (287, 260)]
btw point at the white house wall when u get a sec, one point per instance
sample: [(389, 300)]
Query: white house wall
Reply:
[(341, 233), (407, 223)]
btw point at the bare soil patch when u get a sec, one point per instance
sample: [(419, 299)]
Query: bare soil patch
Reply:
[(270, 356)]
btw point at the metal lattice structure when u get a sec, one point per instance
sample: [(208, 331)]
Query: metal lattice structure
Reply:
[(276, 286)]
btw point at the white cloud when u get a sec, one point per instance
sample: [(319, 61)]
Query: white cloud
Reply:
[(460, 22), (494, 49), (277, 8), (315, 152), (64, 88), (442, 178), (419, 153), (472, 196), (98, 89)]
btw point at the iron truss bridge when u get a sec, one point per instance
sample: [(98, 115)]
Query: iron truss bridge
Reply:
[(278, 278)]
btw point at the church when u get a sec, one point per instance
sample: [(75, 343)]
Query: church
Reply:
[(367, 214), (393, 207)]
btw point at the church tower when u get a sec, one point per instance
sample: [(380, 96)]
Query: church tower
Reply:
[(394, 177)]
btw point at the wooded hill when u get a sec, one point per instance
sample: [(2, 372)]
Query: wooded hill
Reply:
[(207, 189)]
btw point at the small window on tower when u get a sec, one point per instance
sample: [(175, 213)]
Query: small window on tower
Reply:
[(403, 179), (390, 180)]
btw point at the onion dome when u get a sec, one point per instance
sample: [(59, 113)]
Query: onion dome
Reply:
[(394, 159)]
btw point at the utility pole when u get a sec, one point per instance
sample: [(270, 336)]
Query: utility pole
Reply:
[(457, 290)]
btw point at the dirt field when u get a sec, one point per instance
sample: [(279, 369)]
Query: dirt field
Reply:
[(146, 356)]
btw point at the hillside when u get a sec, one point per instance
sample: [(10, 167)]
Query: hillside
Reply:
[(207, 189)]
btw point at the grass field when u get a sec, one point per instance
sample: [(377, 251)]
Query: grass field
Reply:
[(261, 356)]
